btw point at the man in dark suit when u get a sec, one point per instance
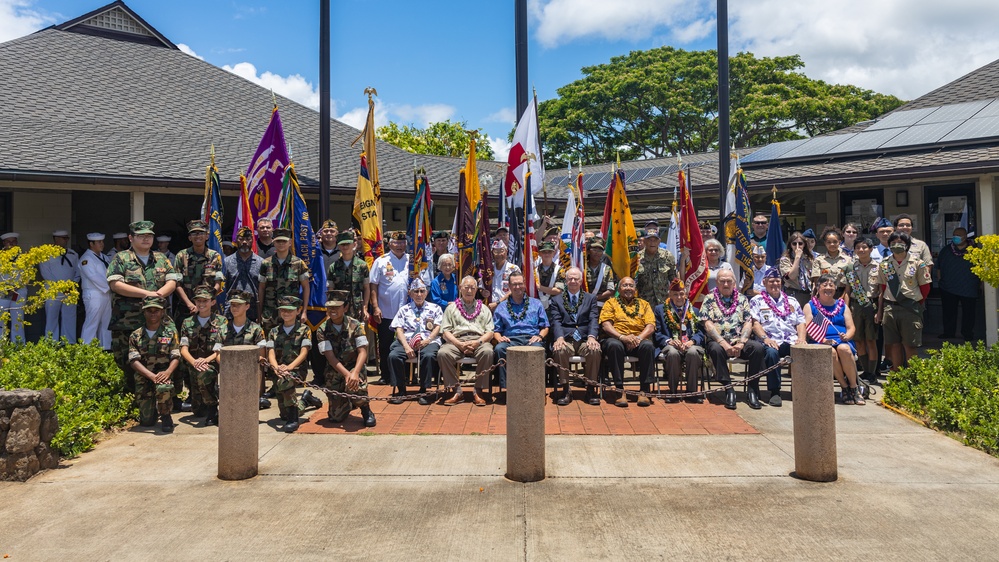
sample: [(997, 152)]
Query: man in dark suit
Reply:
[(680, 339), (574, 316)]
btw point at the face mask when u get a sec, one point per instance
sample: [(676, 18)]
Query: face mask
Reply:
[(898, 248), (957, 240)]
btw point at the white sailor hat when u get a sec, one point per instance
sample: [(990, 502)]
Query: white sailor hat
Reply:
[(163, 238), (10, 235), (60, 233), (119, 235), (498, 245), (95, 236)]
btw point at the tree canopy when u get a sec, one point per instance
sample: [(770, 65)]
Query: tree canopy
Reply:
[(444, 138), (664, 102)]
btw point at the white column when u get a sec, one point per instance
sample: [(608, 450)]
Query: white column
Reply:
[(138, 206), (987, 225)]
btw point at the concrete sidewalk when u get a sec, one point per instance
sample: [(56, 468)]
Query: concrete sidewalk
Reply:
[(905, 492)]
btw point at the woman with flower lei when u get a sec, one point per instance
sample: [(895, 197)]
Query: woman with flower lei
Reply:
[(839, 336), (467, 329), (680, 339), (779, 323), (728, 326)]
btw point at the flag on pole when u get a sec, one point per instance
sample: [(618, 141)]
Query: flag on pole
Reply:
[(211, 208), (525, 141), (483, 248), (579, 225), (695, 262), (464, 231), (818, 328), (622, 239), (572, 224), (509, 223), (673, 235), (608, 206), (775, 238), (530, 240), (245, 210), (418, 227), (367, 197), (265, 176), (736, 225), (294, 215)]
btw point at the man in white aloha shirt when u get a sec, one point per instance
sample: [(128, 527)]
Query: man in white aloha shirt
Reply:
[(417, 328), (779, 323)]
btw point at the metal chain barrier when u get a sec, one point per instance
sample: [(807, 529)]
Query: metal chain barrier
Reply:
[(701, 393)]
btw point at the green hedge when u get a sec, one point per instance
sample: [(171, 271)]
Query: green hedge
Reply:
[(956, 389), (90, 397)]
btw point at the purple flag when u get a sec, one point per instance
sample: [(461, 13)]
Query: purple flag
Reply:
[(265, 176)]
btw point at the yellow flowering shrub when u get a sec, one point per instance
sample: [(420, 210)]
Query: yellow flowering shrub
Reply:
[(20, 269), (985, 257)]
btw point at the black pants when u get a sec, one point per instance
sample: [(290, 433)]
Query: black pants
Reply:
[(386, 335), (752, 352), (318, 363), (615, 352), (428, 365), (969, 305)]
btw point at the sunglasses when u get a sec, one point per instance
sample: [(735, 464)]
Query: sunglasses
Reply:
[(797, 243), (760, 222)]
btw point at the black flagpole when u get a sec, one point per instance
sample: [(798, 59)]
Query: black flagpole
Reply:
[(324, 111), (724, 153)]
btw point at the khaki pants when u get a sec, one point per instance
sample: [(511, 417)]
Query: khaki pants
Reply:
[(448, 358), (591, 367)]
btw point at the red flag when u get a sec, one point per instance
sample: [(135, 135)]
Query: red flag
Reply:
[(818, 328), (530, 241), (695, 262), (608, 206), (245, 215)]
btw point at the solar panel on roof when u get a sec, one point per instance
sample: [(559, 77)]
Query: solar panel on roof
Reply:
[(639, 175), (902, 118), (921, 134), (658, 171), (818, 145), (774, 150), (866, 140), (954, 112), (596, 181), (989, 110), (981, 128)]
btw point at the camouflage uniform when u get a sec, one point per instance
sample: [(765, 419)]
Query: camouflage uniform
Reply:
[(252, 334), (286, 348), (606, 284), (344, 344), (281, 280), (350, 278), (155, 353), (202, 341), (126, 312), (654, 276), (195, 270)]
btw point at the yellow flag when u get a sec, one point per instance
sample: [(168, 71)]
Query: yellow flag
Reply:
[(622, 239), (472, 189), (367, 198)]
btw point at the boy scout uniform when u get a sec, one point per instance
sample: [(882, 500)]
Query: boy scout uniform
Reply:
[(280, 280), (903, 312), (349, 277), (287, 346), (343, 341), (155, 352), (825, 265), (203, 341), (126, 312), (196, 269), (863, 298)]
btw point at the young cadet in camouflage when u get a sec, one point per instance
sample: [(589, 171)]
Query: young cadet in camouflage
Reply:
[(198, 265), (243, 331), (154, 354), (350, 273), (287, 350), (281, 275), (200, 343), (134, 274), (343, 343)]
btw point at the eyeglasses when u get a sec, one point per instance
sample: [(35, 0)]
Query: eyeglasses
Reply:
[(797, 243), (759, 222)]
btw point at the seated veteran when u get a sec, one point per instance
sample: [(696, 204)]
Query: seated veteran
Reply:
[(417, 328), (444, 286), (575, 326), (779, 323), (680, 339), (628, 323), (467, 329), (343, 343), (728, 325), (519, 320), (154, 354)]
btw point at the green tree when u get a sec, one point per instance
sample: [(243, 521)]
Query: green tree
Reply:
[(664, 101), (444, 138)]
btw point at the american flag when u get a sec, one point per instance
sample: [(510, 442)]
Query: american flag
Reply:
[(818, 328), (530, 242)]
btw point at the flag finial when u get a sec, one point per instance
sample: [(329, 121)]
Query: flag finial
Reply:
[(212, 152), (273, 98), (370, 92)]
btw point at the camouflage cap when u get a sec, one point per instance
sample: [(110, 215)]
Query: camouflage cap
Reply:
[(244, 232), (240, 297), (289, 303), (553, 231), (345, 237), (197, 225), (204, 292), (596, 242), (442, 234), (141, 227), (337, 298), (546, 247), (398, 235), (330, 223), (153, 302), (282, 234)]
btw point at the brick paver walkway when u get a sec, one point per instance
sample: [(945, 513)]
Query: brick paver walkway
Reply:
[(578, 418)]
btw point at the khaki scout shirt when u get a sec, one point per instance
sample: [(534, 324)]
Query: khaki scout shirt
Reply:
[(824, 265), (912, 273)]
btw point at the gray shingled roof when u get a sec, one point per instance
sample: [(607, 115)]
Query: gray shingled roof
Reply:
[(93, 106)]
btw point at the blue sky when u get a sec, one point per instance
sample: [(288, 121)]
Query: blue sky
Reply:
[(434, 60)]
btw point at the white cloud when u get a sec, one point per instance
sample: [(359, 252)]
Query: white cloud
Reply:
[(500, 146), (403, 114), (17, 19), (561, 21), (185, 49), (506, 116), (293, 87)]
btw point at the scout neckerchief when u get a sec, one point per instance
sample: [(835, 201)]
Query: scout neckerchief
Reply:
[(856, 289), (892, 281), (600, 277), (803, 279)]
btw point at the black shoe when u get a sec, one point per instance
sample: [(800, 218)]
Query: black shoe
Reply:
[(310, 399), (501, 398), (592, 397), (292, 423), (730, 399), (176, 405), (380, 382), (211, 415), (753, 398), (695, 400), (166, 422), (368, 416), (270, 393), (264, 403), (424, 401), (671, 399), (566, 397), (396, 398)]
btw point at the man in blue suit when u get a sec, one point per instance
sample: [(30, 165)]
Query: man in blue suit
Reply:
[(679, 336), (574, 319)]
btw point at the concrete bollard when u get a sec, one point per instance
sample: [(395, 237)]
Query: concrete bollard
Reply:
[(814, 413), (525, 414), (239, 407)]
